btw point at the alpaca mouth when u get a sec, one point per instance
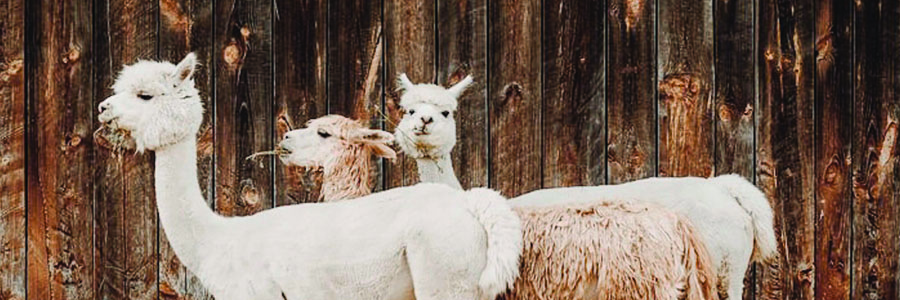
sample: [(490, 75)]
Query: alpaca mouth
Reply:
[(420, 131)]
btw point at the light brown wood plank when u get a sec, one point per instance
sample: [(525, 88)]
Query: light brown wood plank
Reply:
[(13, 260)]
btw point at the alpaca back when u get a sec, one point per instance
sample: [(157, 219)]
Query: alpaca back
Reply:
[(610, 250)]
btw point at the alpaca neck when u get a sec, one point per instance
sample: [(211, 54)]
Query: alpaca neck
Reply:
[(438, 170), (184, 215), (347, 176)]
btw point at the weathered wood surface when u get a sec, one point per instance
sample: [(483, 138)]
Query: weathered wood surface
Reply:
[(798, 94), (784, 143), (409, 35), (631, 99), (355, 85), (834, 129), (514, 95), (876, 200), (187, 26), (462, 45), (243, 103), (574, 99), (300, 37), (13, 261), (685, 76), (60, 190)]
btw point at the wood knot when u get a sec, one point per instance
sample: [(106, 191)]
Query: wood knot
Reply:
[(512, 93), (680, 87), (232, 55), (72, 56), (245, 33), (249, 194)]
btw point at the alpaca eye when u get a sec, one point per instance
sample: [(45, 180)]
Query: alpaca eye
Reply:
[(145, 97), (445, 113), (324, 134)]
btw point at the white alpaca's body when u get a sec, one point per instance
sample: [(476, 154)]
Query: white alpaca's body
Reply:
[(422, 242), (727, 228)]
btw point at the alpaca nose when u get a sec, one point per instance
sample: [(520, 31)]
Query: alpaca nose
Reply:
[(427, 120), (103, 106)]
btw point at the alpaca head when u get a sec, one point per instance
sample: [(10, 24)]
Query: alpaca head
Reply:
[(330, 139), (428, 127), (155, 102)]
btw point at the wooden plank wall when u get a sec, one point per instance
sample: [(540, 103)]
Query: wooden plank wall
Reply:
[(799, 96)]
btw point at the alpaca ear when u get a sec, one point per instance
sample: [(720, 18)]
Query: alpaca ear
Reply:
[(383, 150), (185, 69), (373, 136), (457, 89), (404, 82)]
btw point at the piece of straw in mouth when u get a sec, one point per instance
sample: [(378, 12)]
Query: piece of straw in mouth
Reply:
[(266, 153)]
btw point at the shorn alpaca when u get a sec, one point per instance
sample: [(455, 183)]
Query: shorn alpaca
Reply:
[(342, 148), (420, 242), (671, 259), (731, 215)]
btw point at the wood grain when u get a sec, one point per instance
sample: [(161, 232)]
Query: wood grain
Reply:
[(784, 150), (409, 33), (462, 45), (685, 74), (125, 261), (60, 195), (834, 128), (354, 74), (876, 205), (631, 91), (13, 260), (574, 96), (244, 97), (186, 26), (514, 96), (300, 36)]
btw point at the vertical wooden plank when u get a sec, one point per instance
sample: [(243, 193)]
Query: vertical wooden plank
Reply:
[(514, 93), (574, 98), (631, 91), (60, 195), (409, 33), (834, 126), (12, 150), (186, 26), (685, 74), (244, 97), (734, 95), (876, 210), (300, 38), (785, 155), (462, 34), (126, 246), (355, 54)]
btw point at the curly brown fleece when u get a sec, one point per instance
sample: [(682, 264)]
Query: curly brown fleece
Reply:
[(611, 250)]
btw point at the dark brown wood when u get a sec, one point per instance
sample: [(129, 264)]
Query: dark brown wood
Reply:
[(461, 51), (631, 91), (685, 85), (12, 151), (300, 38), (186, 26), (876, 205), (409, 33), (784, 150), (834, 128), (514, 95), (355, 53), (60, 196), (125, 261), (734, 93), (574, 96), (244, 97)]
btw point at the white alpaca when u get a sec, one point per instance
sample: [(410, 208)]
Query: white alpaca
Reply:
[(732, 216), (655, 254), (422, 242)]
